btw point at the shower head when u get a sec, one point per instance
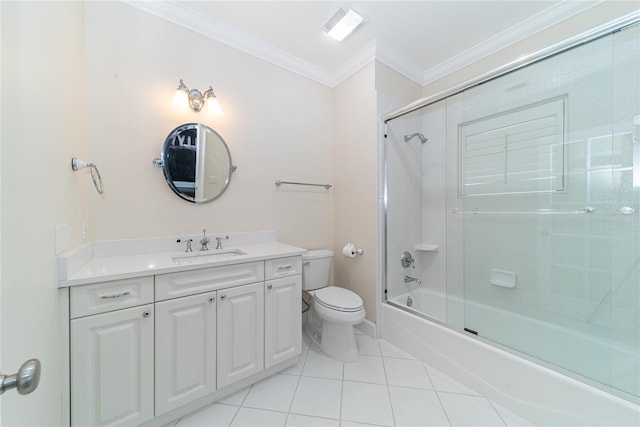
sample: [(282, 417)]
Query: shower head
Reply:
[(408, 138)]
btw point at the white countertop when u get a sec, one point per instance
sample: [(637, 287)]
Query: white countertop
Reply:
[(102, 261)]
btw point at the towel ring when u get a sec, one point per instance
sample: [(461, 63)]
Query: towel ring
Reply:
[(77, 164)]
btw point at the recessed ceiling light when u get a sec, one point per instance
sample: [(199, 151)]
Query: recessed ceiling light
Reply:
[(342, 24)]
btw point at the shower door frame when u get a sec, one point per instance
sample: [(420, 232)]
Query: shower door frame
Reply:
[(603, 30)]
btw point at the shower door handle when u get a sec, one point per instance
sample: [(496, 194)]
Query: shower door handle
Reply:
[(26, 380)]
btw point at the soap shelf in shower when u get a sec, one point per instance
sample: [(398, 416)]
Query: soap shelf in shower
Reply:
[(426, 247)]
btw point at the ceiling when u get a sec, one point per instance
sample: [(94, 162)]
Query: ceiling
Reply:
[(424, 40)]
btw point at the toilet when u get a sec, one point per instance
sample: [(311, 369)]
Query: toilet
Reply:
[(333, 311)]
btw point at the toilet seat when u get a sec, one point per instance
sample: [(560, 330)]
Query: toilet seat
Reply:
[(338, 299)]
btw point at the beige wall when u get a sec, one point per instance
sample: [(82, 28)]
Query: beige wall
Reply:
[(357, 111), (278, 125), (42, 128), (354, 138), (396, 86)]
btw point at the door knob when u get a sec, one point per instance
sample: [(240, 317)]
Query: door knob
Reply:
[(26, 380)]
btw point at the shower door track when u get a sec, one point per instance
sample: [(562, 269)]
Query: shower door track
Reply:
[(585, 37)]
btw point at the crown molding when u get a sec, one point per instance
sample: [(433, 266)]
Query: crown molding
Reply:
[(354, 64), (399, 62), (182, 15), (202, 24), (527, 28), (179, 14)]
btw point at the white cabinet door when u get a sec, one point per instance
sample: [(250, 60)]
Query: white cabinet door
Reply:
[(240, 332), (282, 319), (112, 368), (185, 350)]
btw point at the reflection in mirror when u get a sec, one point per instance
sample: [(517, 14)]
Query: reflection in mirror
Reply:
[(196, 163)]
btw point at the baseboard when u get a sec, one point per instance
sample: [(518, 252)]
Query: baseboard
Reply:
[(367, 327)]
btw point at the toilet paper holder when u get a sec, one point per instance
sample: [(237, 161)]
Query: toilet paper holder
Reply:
[(350, 250)]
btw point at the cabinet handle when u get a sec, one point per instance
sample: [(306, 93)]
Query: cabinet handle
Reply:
[(269, 286), (223, 297), (212, 299), (307, 263), (146, 313), (285, 267), (122, 294)]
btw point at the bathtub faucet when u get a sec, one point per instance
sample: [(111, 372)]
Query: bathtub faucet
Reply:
[(408, 279)]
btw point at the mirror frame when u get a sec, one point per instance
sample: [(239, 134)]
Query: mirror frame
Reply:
[(165, 165)]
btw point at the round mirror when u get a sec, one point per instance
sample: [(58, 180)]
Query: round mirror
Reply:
[(196, 163)]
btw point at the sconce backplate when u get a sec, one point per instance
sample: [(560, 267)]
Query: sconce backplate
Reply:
[(196, 100)]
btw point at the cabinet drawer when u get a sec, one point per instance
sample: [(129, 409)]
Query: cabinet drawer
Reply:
[(109, 296), (282, 267), (173, 285)]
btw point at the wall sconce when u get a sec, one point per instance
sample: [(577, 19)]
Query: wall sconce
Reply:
[(196, 100)]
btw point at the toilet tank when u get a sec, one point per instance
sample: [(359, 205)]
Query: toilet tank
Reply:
[(315, 273)]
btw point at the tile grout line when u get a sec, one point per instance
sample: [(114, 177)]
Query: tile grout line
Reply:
[(240, 405), (443, 408), (424, 366), (341, 395), (304, 362), (235, 414), (386, 383), (496, 411), (428, 375)]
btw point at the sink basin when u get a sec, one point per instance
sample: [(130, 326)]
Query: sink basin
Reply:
[(214, 255)]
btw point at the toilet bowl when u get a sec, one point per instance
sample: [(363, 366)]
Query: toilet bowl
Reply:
[(333, 310)]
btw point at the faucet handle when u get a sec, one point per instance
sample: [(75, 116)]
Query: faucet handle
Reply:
[(188, 249), (407, 260), (219, 241)]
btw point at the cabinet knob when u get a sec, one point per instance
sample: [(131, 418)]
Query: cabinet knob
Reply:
[(223, 297), (146, 313), (269, 286), (212, 299)]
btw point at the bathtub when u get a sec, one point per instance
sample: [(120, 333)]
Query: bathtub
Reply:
[(533, 391), (423, 301)]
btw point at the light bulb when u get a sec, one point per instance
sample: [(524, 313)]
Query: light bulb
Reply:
[(213, 106), (181, 101)]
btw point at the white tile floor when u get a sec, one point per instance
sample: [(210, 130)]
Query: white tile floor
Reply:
[(385, 387)]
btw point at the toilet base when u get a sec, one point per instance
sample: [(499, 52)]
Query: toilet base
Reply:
[(339, 342), (335, 340)]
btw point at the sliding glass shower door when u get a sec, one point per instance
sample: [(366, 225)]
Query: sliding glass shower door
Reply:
[(548, 183), (515, 215)]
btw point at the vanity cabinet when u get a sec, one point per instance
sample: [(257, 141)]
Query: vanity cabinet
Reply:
[(112, 367), (144, 347), (185, 349), (283, 310), (240, 333)]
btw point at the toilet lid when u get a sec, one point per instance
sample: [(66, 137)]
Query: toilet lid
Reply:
[(337, 298)]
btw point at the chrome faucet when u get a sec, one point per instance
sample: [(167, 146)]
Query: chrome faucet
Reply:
[(408, 279), (219, 241), (204, 241), (188, 244)]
